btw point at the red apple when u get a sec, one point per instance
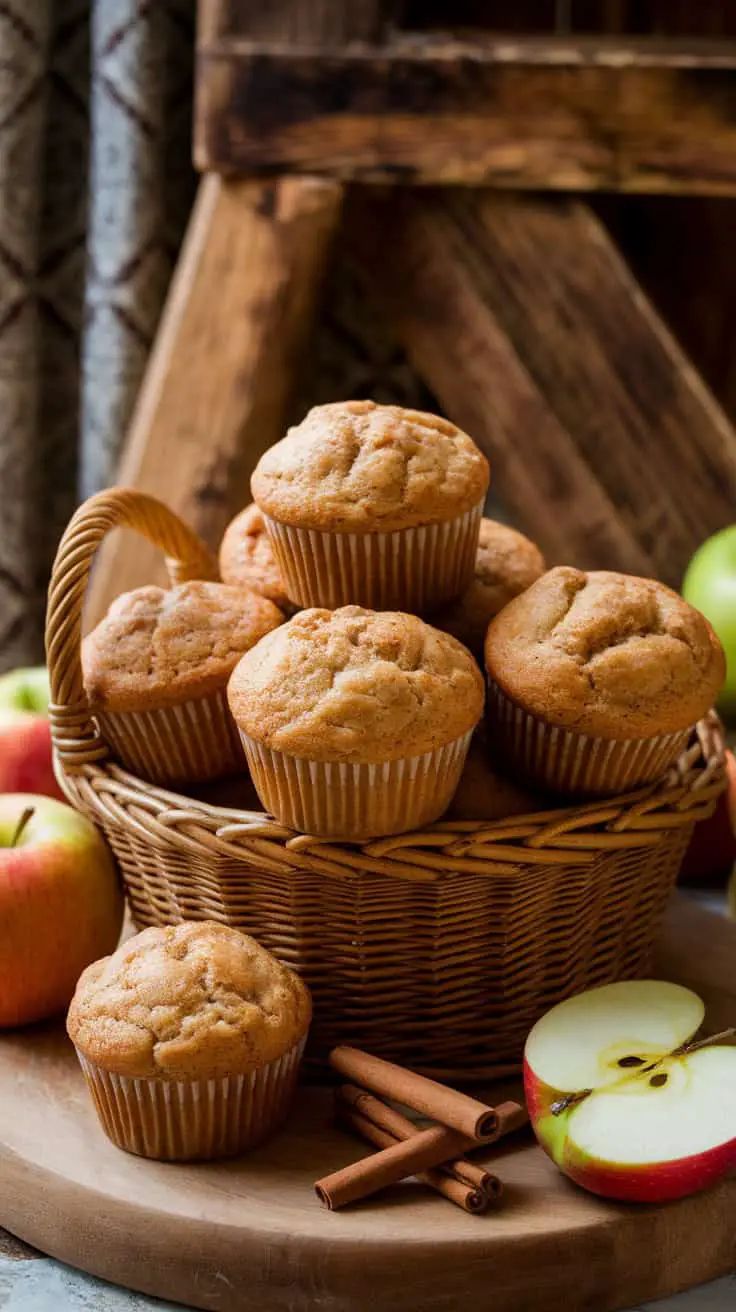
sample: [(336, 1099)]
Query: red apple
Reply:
[(711, 853), (61, 905), (25, 737), (623, 1099)]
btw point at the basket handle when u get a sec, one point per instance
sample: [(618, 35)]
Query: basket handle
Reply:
[(73, 734)]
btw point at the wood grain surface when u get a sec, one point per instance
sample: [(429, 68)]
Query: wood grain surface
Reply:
[(570, 113), (248, 1235), (225, 362), (528, 326)]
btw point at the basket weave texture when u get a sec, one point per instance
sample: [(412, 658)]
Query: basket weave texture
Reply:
[(439, 948)]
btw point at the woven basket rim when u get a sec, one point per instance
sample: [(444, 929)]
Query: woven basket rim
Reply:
[(565, 835)]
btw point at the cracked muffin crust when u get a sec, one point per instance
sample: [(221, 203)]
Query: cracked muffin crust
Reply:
[(506, 564), (605, 654), (160, 646), (358, 467), (247, 559), (188, 1002), (356, 685)]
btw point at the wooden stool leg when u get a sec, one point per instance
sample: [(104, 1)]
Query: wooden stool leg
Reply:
[(220, 379), (524, 320)]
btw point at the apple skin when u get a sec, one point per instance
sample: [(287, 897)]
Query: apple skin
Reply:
[(61, 906), (710, 586), (26, 764), (661, 1182), (711, 853)]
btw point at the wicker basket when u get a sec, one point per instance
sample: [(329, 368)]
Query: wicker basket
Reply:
[(439, 948)]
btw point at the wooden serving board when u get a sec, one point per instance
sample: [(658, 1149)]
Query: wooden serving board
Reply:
[(249, 1234)]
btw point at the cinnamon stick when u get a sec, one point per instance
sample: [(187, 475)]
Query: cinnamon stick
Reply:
[(424, 1150), (391, 1121), (511, 1116), (470, 1199), (471, 1118)]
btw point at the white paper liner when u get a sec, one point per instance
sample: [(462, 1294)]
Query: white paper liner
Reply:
[(186, 1120), (342, 800), (188, 743), (577, 763), (411, 569)]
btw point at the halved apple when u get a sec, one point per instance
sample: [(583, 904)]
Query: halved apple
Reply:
[(624, 1100)]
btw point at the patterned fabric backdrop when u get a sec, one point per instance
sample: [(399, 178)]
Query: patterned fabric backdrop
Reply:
[(95, 189)]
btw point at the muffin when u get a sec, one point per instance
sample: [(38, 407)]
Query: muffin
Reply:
[(506, 564), (155, 674), (190, 1039), (373, 505), (484, 793), (247, 559), (356, 723), (596, 680)]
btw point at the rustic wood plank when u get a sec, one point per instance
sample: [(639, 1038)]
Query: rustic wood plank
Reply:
[(692, 234), (221, 375), (521, 112), (532, 332), (300, 22), (427, 282)]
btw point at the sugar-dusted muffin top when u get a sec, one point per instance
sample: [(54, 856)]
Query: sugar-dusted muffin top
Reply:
[(159, 646), (506, 564), (605, 654), (356, 685), (191, 1001), (354, 466), (247, 559)]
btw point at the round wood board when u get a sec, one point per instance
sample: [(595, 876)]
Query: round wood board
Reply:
[(249, 1234)]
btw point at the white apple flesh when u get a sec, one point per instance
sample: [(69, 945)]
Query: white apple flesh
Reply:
[(623, 1101)]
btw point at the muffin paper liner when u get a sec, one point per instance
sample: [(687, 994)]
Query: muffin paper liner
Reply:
[(356, 801), (411, 569), (578, 763), (193, 741), (187, 1120)]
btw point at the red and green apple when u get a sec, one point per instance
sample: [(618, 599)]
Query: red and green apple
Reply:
[(61, 905), (711, 853), (625, 1100), (25, 737)]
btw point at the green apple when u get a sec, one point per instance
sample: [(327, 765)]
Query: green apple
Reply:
[(710, 586), (25, 690), (623, 1099), (61, 905), (26, 764)]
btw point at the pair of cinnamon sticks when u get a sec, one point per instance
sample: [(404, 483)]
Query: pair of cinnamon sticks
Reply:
[(434, 1155)]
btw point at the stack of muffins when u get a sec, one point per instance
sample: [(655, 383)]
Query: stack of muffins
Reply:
[(364, 598), (341, 655)]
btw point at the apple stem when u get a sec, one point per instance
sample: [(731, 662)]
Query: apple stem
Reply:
[(571, 1100), (27, 815), (723, 1037)]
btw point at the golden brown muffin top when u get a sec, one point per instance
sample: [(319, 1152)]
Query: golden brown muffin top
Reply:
[(159, 646), (188, 1002), (605, 654), (356, 685), (354, 466), (247, 559), (506, 564)]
